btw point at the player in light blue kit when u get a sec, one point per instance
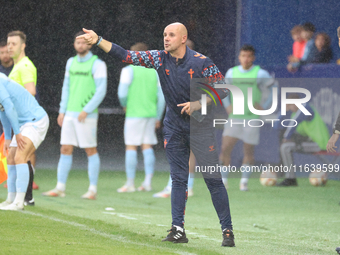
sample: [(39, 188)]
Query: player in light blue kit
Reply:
[(247, 75), (21, 112)]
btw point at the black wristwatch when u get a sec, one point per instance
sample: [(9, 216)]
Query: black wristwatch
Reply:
[(99, 40), (336, 131)]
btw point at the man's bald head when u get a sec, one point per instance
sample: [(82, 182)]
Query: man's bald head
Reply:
[(179, 27), (175, 37)]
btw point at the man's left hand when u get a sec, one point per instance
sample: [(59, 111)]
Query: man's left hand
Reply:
[(82, 116), (190, 107), (331, 143)]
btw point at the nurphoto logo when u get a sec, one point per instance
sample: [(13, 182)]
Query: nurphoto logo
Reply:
[(238, 104)]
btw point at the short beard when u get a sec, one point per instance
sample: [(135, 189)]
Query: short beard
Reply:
[(82, 52)]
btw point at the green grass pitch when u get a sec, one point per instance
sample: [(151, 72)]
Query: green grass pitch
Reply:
[(267, 220)]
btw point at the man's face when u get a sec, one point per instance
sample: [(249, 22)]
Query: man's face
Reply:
[(4, 55), (292, 107), (320, 42), (246, 59), (81, 47), (15, 46), (173, 39), (297, 37)]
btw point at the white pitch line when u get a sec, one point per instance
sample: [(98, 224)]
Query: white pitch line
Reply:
[(120, 215), (111, 213), (125, 217), (161, 225), (103, 234)]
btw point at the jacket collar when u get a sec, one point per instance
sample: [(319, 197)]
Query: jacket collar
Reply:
[(180, 60)]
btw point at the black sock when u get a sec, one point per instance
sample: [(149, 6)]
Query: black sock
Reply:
[(29, 192)]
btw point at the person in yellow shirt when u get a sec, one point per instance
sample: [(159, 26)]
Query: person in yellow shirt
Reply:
[(25, 73)]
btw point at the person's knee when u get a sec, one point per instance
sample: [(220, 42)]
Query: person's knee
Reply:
[(214, 184), (179, 179), (146, 146), (91, 151), (10, 157), (131, 147), (285, 147), (66, 149), (248, 159), (20, 158)]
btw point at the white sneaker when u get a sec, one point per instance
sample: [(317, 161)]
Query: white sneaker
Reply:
[(164, 193), (126, 188), (54, 193), (144, 188), (190, 192), (5, 203), (89, 195), (12, 207), (244, 186)]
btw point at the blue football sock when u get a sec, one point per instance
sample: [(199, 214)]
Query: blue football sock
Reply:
[(22, 177), (12, 177), (169, 182), (93, 168), (64, 167), (149, 165), (246, 172), (131, 163), (225, 173), (149, 161), (191, 181)]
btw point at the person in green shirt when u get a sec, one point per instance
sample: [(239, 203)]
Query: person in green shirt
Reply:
[(84, 88), (141, 96), (245, 76), (25, 73)]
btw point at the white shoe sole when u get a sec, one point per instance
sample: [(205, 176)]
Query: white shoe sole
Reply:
[(12, 208)]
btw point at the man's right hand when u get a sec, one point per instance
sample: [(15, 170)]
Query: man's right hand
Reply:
[(61, 119), (90, 37), (6, 147), (20, 141)]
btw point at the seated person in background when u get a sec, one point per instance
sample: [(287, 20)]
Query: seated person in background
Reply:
[(323, 54), (308, 30), (298, 45), (308, 136)]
